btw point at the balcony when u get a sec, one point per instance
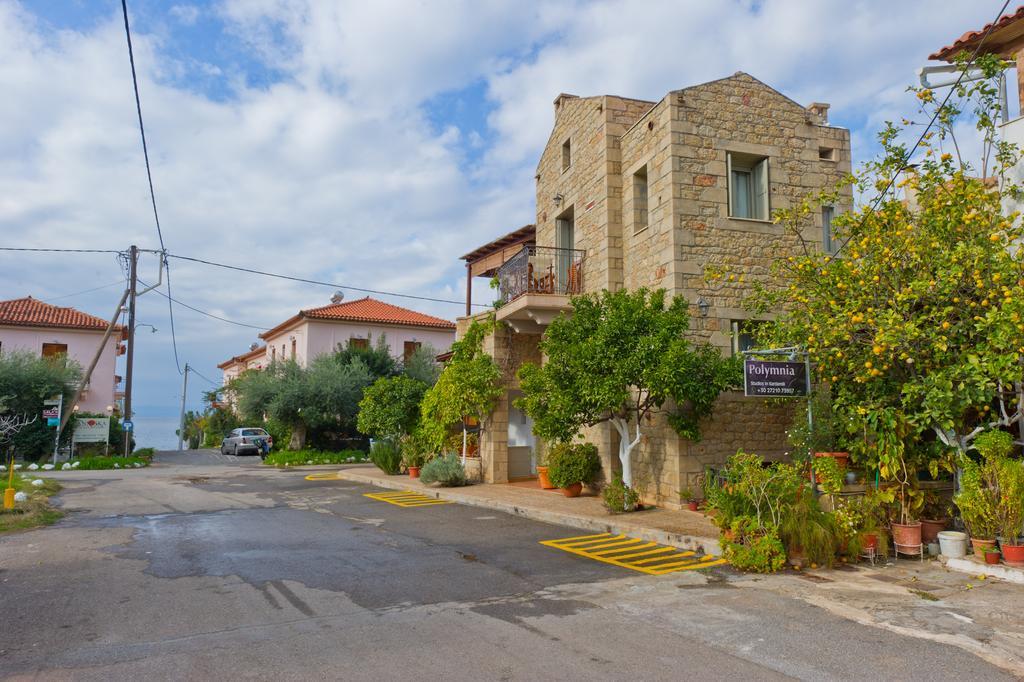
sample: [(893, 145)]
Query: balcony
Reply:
[(535, 286)]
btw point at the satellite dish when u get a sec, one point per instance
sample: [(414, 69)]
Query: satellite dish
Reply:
[(253, 346), (338, 297)]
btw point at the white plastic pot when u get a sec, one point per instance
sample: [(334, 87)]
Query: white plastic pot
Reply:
[(953, 544)]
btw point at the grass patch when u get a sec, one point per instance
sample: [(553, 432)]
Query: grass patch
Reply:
[(96, 463), (34, 512), (296, 458), (144, 452), (927, 596)]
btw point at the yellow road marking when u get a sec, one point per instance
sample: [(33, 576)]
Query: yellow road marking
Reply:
[(645, 557), (333, 475), (406, 498)]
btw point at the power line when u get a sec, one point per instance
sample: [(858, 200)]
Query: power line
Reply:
[(170, 312), (924, 133), (320, 282), (42, 250), (203, 312), (142, 128), (194, 371), (85, 291)]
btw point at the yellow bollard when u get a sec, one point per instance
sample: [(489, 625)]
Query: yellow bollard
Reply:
[(9, 498)]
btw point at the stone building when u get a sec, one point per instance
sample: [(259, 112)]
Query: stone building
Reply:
[(632, 193)]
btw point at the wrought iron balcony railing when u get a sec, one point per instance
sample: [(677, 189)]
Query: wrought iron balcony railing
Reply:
[(541, 270)]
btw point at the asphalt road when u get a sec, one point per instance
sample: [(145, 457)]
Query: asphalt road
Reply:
[(208, 567)]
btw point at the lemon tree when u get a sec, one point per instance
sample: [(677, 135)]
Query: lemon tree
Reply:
[(917, 322)]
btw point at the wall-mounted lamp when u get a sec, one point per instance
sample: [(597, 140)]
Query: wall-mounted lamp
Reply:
[(558, 199), (703, 306)]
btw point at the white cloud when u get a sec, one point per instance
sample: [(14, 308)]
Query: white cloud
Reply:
[(185, 14)]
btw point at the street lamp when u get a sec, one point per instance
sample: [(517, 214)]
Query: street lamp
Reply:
[(143, 324)]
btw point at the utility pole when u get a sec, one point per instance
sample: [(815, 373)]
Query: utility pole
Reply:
[(130, 357), (181, 418)]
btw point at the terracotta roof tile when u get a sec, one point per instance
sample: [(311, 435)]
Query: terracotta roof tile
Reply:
[(30, 312), (968, 39), (371, 310)]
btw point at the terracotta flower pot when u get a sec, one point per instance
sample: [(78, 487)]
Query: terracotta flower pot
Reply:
[(573, 491), (1013, 555), (693, 505), (414, 472), (870, 540), (981, 545), (542, 478), (907, 534), (841, 458), (930, 529), (991, 557)]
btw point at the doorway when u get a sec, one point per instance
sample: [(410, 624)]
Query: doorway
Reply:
[(522, 457)]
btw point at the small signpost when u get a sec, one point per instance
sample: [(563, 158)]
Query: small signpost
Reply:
[(786, 378), (53, 410)]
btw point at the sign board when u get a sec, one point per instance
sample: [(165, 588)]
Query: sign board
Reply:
[(127, 425), (51, 411), (773, 379), (92, 430)]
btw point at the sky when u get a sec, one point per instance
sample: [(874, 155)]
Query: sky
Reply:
[(368, 144)]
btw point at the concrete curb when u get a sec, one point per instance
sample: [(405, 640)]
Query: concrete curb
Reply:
[(701, 545), (974, 567)]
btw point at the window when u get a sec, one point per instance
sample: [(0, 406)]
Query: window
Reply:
[(409, 348), (566, 154), (748, 186), (358, 343), (565, 242), (273, 353), (827, 213), (293, 348), (827, 153), (54, 350), (744, 335), (640, 192)]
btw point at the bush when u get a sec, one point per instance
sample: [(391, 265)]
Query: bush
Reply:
[(145, 452), (292, 458), (446, 470), (570, 463), (387, 456), (749, 547), (619, 497), (97, 463)]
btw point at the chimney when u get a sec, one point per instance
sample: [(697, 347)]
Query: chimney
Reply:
[(562, 97), (820, 110), (253, 346)]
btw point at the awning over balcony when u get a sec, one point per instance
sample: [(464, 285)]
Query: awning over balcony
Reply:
[(485, 260)]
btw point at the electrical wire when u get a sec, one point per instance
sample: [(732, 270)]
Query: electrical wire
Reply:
[(203, 312), (41, 250), (201, 376), (85, 291), (935, 116), (170, 313), (320, 282)]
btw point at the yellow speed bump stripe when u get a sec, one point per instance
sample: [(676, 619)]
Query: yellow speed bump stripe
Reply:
[(633, 553), (406, 498), (325, 476)]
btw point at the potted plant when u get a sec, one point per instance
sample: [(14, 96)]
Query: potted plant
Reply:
[(542, 469), (934, 516), (991, 555), (1009, 500), (472, 444), (570, 465), (686, 495), (413, 448), (978, 499)]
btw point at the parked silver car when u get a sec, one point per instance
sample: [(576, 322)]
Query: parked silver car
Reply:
[(247, 441)]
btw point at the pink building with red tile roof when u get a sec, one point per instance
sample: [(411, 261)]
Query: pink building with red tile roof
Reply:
[(316, 331), (28, 324)]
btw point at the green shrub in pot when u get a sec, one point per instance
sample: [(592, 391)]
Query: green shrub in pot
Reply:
[(571, 463)]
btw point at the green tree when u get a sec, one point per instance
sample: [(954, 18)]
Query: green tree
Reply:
[(26, 380), (619, 357), (469, 386), (917, 326), (390, 407), (423, 366), (376, 357)]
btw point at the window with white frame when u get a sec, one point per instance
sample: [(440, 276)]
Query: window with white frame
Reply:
[(748, 186)]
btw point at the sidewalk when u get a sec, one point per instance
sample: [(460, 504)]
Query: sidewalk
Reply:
[(683, 529)]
